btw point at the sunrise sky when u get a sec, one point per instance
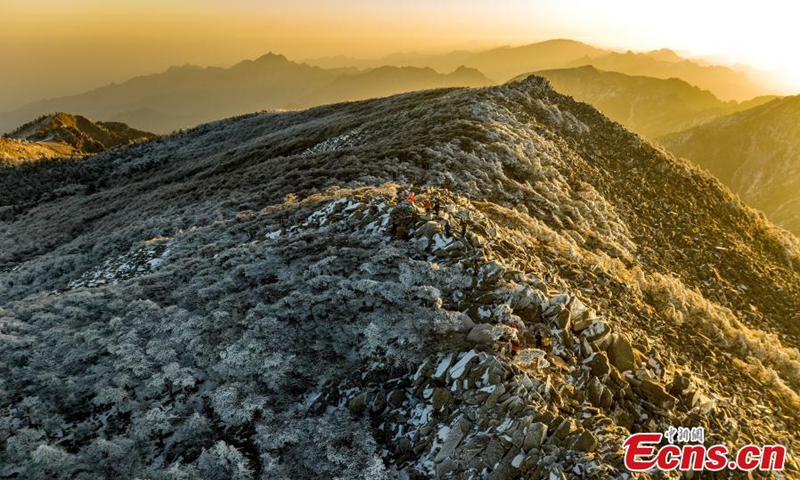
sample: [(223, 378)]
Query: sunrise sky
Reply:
[(58, 47)]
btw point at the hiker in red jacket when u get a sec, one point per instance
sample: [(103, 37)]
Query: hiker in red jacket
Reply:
[(412, 198)]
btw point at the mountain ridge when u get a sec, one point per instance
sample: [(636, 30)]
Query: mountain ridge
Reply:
[(505, 63), (265, 281), (646, 105), (64, 135), (188, 95)]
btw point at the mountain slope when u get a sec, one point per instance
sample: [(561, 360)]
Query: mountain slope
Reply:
[(756, 153), (385, 81), (502, 64), (253, 299), (440, 62), (649, 106), (724, 82), (79, 132), (65, 135), (505, 63), (189, 95), (18, 151)]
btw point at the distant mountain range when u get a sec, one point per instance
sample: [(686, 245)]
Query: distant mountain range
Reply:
[(64, 135), (385, 81), (756, 153), (649, 106), (189, 95), (724, 82), (504, 63)]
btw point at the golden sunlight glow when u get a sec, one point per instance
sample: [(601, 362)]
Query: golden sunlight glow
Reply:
[(57, 47)]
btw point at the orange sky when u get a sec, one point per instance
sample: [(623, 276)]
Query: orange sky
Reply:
[(57, 47)]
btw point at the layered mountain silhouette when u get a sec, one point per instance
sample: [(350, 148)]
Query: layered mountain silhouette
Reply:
[(501, 64), (724, 82), (188, 95), (258, 298), (505, 63), (649, 106), (385, 81), (756, 153), (64, 135)]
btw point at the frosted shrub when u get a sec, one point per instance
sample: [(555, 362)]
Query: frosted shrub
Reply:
[(223, 462)]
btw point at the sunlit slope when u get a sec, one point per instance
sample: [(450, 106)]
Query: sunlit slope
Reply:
[(756, 153)]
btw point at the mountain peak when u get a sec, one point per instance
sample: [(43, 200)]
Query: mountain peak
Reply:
[(77, 132), (665, 55), (272, 57), (533, 84)]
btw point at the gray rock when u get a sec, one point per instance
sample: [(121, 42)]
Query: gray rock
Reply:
[(595, 391), (535, 436), (474, 446), (491, 455), (446, 466), (620, 353), (655, 393), (457, 433), (440, 398), (428, 229), (586, 442), (358, 404), (562, 319), (598, 364), (579, 325), (597, 332), (480, 334), (491, 272), (494, 397)]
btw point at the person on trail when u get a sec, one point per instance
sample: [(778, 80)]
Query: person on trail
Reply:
[(436, 206), (428, 206), (412, 198), (447, 228), (464, 229)]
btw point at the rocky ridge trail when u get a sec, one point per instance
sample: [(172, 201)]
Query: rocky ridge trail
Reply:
[(482, 408)]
